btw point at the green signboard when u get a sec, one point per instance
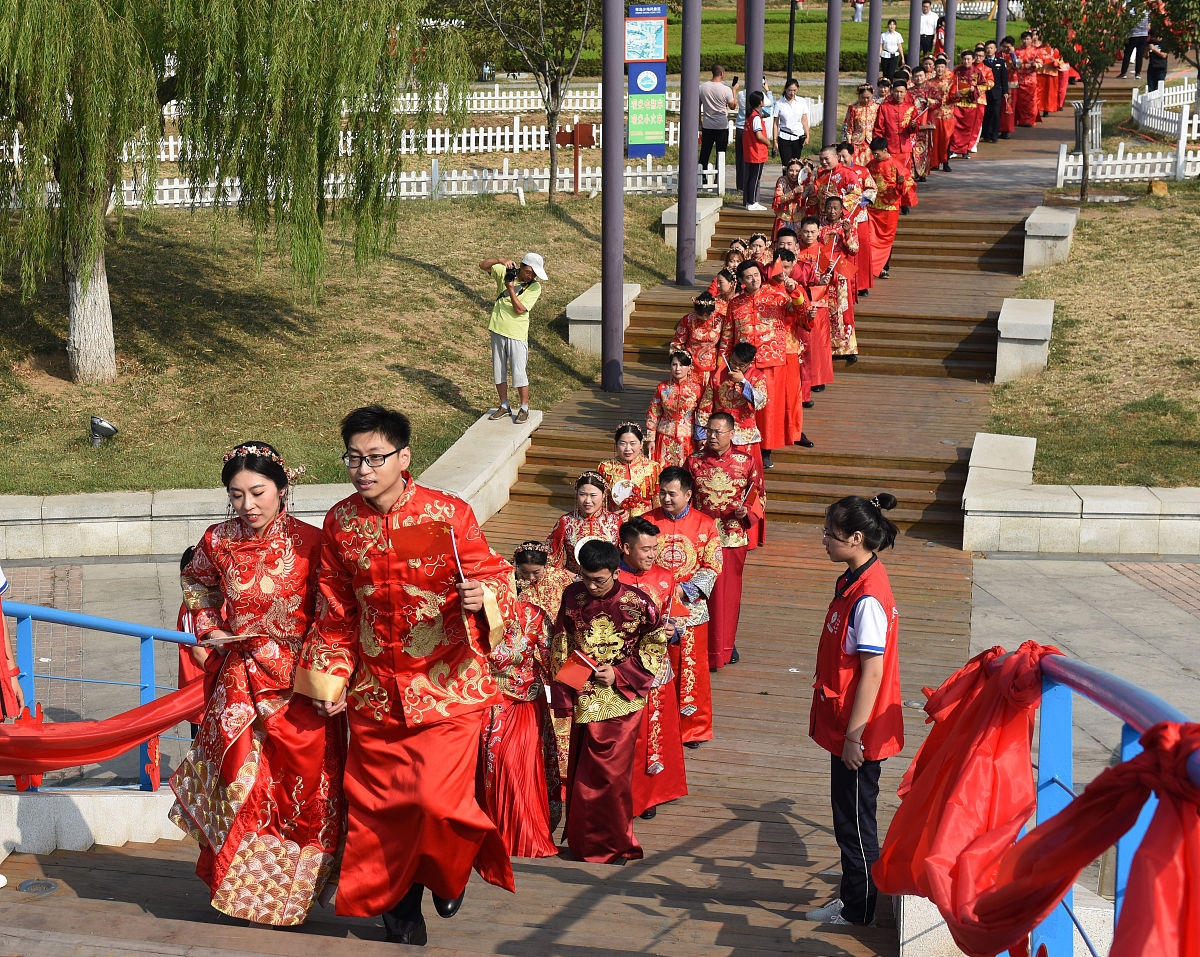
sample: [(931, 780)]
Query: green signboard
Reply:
[(648, 119)]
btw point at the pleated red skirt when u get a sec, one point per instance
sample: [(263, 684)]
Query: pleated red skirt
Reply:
[(725, 606), (968, 121), (413, 815), (600, 790), (883, 230), (793, 410), (514, 790), (689, 660), (863, 258), (1027, 103), (1008, 113), (658, 773), (818, 356)]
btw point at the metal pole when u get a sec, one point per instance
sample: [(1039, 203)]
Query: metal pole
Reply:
[(1001, 20), (833, 46), (874, 29), (914, 32), (951, 16), (756, 24), (689, 130), (791, 36), (612, 209)]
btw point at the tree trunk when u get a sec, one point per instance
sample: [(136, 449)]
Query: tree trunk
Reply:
[(553, 110), (90, 347), (1087, 151)]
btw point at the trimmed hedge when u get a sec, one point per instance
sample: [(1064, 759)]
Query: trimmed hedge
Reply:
[(774, 61)]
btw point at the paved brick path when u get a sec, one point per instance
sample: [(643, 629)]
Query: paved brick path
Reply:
[(1177, 582)]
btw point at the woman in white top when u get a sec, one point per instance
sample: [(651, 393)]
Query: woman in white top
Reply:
[(791, 123), (891, 50)]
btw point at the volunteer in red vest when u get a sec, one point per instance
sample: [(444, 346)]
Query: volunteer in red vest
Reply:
[(755, 147), (856, 711)]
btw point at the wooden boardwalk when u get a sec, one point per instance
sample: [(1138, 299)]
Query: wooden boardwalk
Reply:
[(731, 868)]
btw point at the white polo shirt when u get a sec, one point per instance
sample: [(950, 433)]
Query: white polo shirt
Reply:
[(789, 115), (929, 24)]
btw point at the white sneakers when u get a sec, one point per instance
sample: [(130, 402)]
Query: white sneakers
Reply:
[(756, 207), (831, 913)]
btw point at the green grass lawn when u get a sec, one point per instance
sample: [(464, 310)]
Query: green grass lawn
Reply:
[(214, 351), (1119, 402)]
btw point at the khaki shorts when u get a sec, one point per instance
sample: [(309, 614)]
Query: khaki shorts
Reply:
[(506, 352)]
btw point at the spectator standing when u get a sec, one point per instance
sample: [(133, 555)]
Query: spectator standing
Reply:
[(858, 10), (791, 123), (929, 25), (517, 289), (1135, 47), (716, 100), (756, 144), (1156, 65), (739, 127), (891, 50)]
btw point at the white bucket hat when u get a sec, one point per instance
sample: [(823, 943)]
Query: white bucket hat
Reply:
[(537, 264)]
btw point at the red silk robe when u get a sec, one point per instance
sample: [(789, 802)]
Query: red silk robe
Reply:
[(700, 338), (262, 782), (1028, 103), (898, 123), (722, 394), (623, 629), (658, 771), (392, 634), (520, 779), (722, 484), (761, 319), (572, 528), (839, 243), (642, 477), (788, 202), (941, 94), (968, 114), (885, 211), (671, 420), (689, 547), (547, 594)]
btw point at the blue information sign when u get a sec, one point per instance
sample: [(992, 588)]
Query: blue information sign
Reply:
[(647, 9), (645, 64)]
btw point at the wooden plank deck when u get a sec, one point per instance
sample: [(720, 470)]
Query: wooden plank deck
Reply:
[(731, 868)]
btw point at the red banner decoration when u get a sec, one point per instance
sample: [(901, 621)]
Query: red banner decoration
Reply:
[(34, 748), (971, 788)]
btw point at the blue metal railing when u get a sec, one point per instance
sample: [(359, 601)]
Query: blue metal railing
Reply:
[(26, 615), (1139, 710)]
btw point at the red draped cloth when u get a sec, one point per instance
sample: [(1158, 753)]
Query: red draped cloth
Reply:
[(883, 226), (600, 795), (970, 790), (658, 771), (725, 607), (36, 748)]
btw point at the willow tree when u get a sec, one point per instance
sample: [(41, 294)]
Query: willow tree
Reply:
[(1089, 35), (264, 91)]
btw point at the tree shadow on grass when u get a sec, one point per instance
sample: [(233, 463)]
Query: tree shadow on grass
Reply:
[(448, 278), (1187, 445), (173, 298), (561, 214), (438, 386)]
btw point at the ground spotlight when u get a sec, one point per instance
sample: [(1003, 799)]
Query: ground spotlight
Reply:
[(101, 430)]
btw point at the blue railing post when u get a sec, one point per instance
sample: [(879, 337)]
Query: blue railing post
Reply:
[(1055, 781), (148, 750), (25, 658), (1131, 840)]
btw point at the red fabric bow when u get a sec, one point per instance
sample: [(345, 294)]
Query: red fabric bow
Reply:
[(32, 749), (971, 788)]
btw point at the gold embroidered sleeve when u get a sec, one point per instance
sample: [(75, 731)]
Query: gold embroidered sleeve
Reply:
[(201, 583), (331, 650)]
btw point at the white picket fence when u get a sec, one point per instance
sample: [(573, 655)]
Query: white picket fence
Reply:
[(502, 100), (1122, 167), (1168, 111), (444, 184), (981, 9)]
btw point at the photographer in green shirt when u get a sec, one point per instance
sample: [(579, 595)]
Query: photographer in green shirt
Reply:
[(517, 289)]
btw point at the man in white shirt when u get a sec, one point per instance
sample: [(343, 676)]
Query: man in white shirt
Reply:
[(716, 100), (928, 27), (791, 123)]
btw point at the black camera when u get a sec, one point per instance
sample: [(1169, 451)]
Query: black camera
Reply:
[(510, 274)]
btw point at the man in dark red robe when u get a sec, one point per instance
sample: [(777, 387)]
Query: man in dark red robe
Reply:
[(620, 629)]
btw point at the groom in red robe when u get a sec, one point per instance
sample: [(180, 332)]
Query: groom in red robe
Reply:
[(410, 599)]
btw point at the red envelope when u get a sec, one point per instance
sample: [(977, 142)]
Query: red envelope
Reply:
[(576, 671)]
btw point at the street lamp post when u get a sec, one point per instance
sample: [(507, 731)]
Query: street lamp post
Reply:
[(792, 36), (612, 206), (833, 46)]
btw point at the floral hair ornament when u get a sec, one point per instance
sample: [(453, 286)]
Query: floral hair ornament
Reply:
[(591, 478), (251, 449), (532, 546), (875, 502)]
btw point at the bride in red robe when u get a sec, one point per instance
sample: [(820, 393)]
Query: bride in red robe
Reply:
[(671, 417), (261, 787), (522, 792), (590, 519)]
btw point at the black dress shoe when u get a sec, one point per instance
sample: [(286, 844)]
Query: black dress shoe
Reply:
[(818, 388), (809, 404), (863, 293), (921, 179), (691, 744), (1004, 136), (448, 906), (767, 462), (648, 814), (412, 933), (734, 657), (904, 210), (851, 359), (806, 442), (946, 168)]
